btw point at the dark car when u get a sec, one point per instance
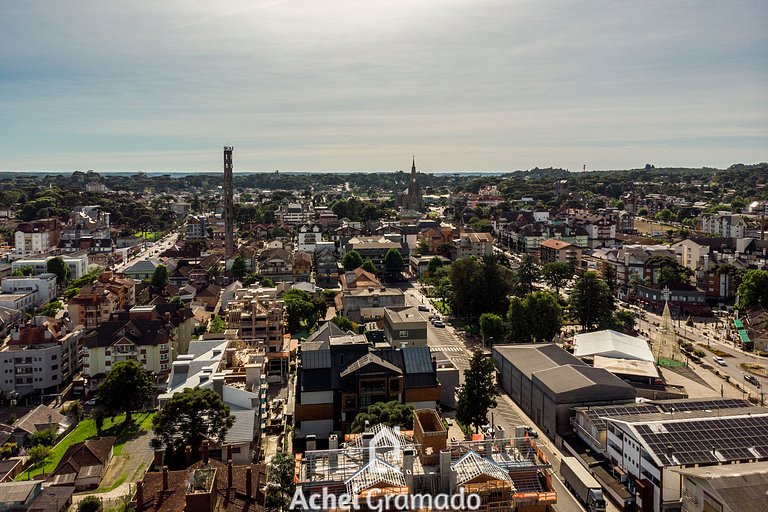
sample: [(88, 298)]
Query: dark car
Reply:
[(752, 380)]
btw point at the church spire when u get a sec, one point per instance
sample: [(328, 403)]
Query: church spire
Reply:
[(413, 169)]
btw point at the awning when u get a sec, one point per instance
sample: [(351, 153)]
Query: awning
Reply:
[(738, 324), (743, 336)]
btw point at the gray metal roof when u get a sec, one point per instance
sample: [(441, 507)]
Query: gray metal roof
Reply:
[(530, 358), (316, 359), (417, 359), (243, 427)]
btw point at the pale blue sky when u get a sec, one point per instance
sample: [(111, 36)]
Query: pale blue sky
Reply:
[(362, 85)]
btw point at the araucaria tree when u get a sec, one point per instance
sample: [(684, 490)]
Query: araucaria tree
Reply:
[(189, 417), (479, 391), (127, 388), (591, 301)]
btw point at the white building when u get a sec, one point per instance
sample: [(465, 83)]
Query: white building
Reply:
[(724, 224), (612, 344), (309, 236), (42, 286), (77, 263), (42, 356)]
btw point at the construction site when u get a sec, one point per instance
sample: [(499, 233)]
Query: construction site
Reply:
[(382, 462)]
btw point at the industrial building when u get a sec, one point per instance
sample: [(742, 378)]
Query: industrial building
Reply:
[(547, 383)]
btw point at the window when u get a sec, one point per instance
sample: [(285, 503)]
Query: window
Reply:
[(403, 334), (350, 402), (394, 385)]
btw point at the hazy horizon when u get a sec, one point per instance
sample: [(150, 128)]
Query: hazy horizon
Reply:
[(339, 86)]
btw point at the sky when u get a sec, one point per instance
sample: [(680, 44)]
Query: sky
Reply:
[(363, 85)]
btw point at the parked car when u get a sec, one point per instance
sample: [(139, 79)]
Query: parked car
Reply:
[(92, 401), (438, 323), (422, 307), (719, 360), (752, 380)]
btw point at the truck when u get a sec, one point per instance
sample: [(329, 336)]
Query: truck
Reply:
[(584, 486)]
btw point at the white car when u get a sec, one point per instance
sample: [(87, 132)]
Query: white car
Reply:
[(719, 360)]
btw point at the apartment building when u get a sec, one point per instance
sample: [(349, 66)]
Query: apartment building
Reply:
[(723, 224), (40, 357), (552, 250), (473, 244), (77, 263), (340, 378), (140, 334), (96, 303), (36, 237), (405, 328), (42, 287), (258, 316)]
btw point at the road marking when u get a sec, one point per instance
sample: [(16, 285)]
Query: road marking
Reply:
[(446, 348)]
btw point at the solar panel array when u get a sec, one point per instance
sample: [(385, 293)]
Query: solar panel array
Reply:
[(704, 405), (596, 415), (701, 441)]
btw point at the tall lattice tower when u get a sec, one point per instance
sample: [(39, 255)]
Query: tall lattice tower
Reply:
[(229, 215)]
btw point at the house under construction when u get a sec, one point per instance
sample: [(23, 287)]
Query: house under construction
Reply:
[(506, 473)]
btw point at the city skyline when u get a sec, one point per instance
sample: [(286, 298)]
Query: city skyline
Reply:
[(465, 86)]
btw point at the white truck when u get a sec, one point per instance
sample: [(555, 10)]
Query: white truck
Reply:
[(578, 479)]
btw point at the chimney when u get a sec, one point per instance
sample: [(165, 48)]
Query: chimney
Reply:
[(445, 462), (165, 478), (205, 451), (229, 452), (408, 457), (248, 480), (218, 385), (367, 436), (311, 443), (453, 480), (333, 445), (188, 455), (434, 364), (229, 473), (158, 462), (139, 495)]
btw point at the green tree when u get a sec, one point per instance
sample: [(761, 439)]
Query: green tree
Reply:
[(393, 262), (45, 437), (527, 273), (591, 301), (753, 290), (466, 275), (217, 325), (90, 503), (391, 413), (546, 315), (352, 260), (368, 266), (622, 320), (24, 270), (664, 215), (51, 308), (491, 327), (300, 309), (345, 323), (478, 394), (642, 212), (280, 485), (57, 266), (126, 388), (37, 455), (556, 274), (434, 264), (536, 317), (495, 286), (160, 278), (189, 417), (98, 419), (239, 268)]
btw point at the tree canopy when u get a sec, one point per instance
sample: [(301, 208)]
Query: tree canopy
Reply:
[(126, 388), (492, 327), (190, 416), (352, 260), (753, 290), (556, 274), (536, 317), (280, 485), (592, 301), (389, 413), (393, 262), (239, 268), (57, 266), (160, 277), (478, 394)]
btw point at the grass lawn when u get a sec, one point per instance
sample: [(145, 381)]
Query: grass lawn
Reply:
[(151, 236), (86, 429)]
